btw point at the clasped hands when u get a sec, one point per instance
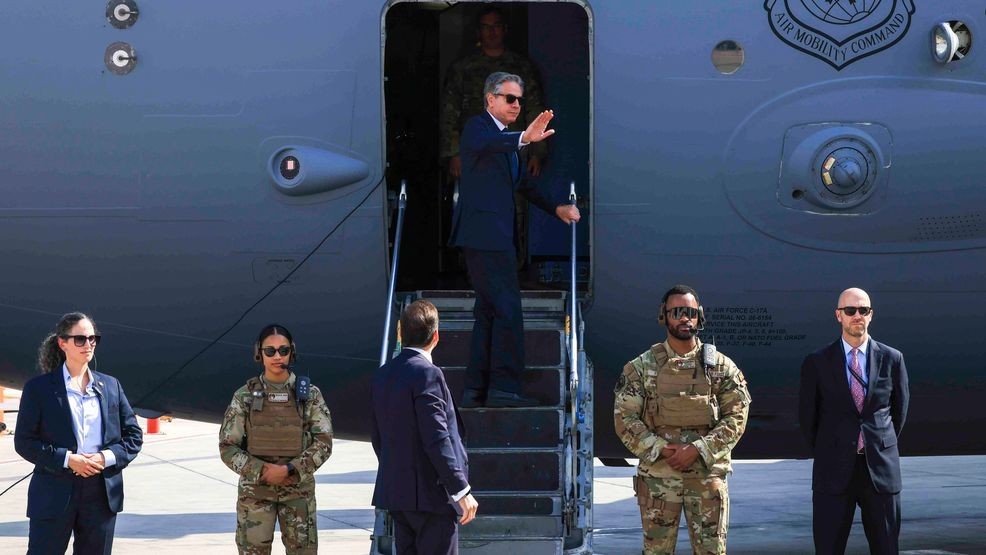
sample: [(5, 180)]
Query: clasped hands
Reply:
[(679, 456), (86, 464), (274, 474)]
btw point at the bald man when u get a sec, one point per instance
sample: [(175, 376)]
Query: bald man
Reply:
[(853, 403)]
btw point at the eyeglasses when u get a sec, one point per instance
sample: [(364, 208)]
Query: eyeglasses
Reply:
[(81, 340), (687, 311), (283, 351), (490, 27), (510, 98), (851, 310)]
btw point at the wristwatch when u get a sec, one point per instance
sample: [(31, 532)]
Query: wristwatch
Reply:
[(291, 470)]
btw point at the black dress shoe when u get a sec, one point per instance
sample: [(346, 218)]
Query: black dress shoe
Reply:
[(500, 399), (472, 399)]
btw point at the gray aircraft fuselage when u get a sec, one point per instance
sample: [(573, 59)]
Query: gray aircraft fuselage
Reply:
[(144, 184)]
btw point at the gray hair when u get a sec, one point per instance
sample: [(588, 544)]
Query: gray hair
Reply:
[(495, 80)]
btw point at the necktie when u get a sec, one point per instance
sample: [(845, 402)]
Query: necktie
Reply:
[(856, 388), (513, 160)]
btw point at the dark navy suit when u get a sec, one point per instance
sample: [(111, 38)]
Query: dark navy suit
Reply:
[(59, 502), (483, 225), (422, 462), (841, 478)]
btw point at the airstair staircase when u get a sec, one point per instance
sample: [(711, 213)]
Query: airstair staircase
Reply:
[(530, 468)]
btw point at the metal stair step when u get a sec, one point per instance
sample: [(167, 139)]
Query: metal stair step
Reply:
[(504, 527), (462, 301), (531, 427), (542, 347), (543, 384), (513, 547), (520, 503), (515, 470)]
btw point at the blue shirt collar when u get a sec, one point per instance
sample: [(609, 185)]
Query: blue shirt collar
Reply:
[(66, 376), (862, 348)]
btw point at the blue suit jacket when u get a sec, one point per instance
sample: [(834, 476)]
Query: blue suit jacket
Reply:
[(45, 432), (831, 424), (415, 434), (484, 216)]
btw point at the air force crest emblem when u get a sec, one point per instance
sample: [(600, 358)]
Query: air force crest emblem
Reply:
[(840, 32)]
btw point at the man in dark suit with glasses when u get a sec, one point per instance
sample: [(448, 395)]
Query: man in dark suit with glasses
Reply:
[(853, 404), (483, 226)]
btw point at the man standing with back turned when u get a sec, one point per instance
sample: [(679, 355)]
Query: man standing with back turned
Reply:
[(483, 226), (681, 407), (853, 403), (423, 471)]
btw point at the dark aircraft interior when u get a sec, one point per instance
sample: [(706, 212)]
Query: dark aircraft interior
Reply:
[(422, 41)]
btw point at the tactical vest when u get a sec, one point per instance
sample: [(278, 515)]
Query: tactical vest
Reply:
[(274, 424), (679, 392)]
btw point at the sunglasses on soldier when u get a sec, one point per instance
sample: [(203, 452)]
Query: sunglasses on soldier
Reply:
[(271, 351), (677, 312)]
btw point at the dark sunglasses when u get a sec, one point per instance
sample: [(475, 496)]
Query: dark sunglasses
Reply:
[(510, 98), (851, 310), (677, 312), (283, 351), (81, 340)]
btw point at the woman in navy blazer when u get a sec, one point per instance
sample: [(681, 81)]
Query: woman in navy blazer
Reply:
[(78, 429)]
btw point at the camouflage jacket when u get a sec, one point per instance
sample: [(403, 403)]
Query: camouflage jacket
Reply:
[(463, 96), (317, 444), (634, 393)]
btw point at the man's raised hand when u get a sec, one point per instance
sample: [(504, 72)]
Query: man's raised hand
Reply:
[(538, 129)]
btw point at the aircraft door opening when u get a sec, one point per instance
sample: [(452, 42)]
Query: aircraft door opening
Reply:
[(435, 62)]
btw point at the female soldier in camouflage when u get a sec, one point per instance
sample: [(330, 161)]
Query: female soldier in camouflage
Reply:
[(276, 433)]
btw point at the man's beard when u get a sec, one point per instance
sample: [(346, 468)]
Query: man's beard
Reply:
[(854, 330), (684, 335)]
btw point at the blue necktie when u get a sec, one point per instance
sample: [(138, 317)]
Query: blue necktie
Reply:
[(513, 160)]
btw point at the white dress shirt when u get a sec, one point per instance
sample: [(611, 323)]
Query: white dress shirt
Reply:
[(520, 140), (87, 422)]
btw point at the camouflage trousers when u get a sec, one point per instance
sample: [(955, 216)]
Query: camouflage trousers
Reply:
[(705, 500), (258, 506)]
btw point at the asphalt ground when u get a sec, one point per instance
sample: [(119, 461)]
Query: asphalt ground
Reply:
[(180, 498)]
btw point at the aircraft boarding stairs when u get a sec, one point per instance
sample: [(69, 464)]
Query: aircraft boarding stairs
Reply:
[(530, 468)]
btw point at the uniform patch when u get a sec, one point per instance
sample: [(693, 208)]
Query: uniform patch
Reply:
[(685, 364), (621, 383), (278, 397)]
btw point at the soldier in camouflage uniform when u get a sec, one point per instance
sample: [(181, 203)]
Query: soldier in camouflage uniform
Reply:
[(275, 440), (464, 98), (682, 418)]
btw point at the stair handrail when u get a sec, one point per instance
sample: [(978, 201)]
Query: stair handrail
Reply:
[(573, 339), (571, 459), (395, 257)]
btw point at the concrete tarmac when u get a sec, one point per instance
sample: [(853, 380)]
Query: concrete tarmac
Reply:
[(180, 498)]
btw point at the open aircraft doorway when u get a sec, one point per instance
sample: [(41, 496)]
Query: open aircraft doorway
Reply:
[(433, 76)]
